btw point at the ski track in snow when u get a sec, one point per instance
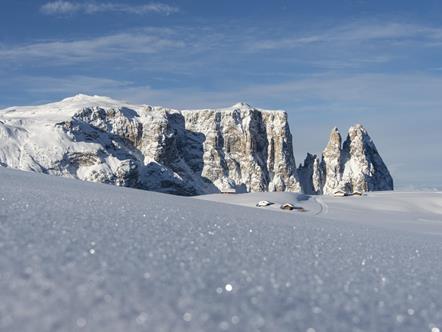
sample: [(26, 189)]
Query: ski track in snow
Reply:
[(79, 256), (324, 207)]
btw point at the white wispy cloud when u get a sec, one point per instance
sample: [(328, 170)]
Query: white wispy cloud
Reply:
[(63, 7), (339, 48), (358, 32), (120, 45)]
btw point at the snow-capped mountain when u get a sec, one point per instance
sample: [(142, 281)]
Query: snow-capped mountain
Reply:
[(354, 166), (190, 152)]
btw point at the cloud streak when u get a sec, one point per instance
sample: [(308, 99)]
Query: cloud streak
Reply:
[(63, 7), (348, 47), (360, 32), (146, 42)]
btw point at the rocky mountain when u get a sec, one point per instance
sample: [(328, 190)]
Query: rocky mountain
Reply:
[(92, 138), (354, 166), (331, 163), (189, 152)]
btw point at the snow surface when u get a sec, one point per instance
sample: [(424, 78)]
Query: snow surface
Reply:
[(29, 137), (398, 210), (93, 257), (64, 109)]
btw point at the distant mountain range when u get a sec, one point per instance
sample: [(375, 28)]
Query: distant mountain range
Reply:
[(188, 152)]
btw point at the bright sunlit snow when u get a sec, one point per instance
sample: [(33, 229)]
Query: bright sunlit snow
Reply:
[(94, 257)]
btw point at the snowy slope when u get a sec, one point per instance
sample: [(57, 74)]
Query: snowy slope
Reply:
[(93, 257), (414, 211), (66, 108), (32, 137)]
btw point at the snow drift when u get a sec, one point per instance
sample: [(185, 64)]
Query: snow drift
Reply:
[(93, 257)]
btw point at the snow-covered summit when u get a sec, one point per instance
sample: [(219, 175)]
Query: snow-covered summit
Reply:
[(238, 107), (99, 139), (242, 105), (83, 100), (239, 148), (66, 108)]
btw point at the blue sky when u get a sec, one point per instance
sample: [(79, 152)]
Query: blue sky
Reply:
[(328, 63)]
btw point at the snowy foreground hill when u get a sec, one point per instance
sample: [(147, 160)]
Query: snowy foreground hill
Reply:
[(94, 257)]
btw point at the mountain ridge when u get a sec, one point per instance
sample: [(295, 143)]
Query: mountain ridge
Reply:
[(188, 152)]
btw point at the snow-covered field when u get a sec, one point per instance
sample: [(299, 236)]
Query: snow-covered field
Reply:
[(93, 257), (398, 210)]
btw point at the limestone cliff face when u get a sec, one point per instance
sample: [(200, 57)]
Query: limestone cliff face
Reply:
[(98, 139), (245, 149), (331, 164), (311, 175), (355, 166), (363, 167)]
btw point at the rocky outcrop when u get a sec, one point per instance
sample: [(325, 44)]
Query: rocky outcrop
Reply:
[(245, 149), (355, 166), (331, 163), (364, 169), (238, 149), (191, 152), (311, 175)]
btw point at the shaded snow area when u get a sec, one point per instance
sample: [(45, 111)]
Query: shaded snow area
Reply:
[(79, 256)]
